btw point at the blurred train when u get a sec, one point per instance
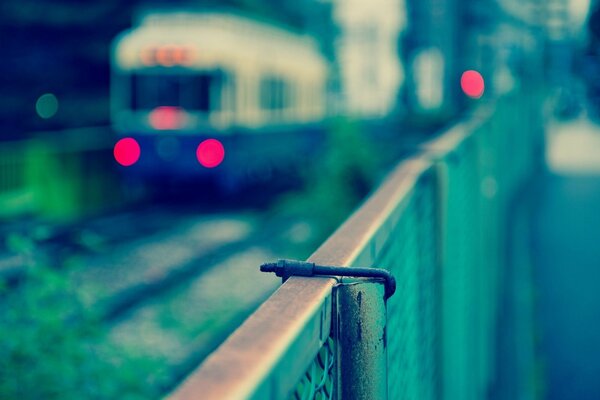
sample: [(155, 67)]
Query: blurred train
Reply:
[(215, 94), (221, 95)]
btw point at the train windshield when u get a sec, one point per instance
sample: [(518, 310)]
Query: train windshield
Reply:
[(194, 92)]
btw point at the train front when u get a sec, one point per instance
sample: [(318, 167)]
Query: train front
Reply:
[(212, 95), (170, 100)]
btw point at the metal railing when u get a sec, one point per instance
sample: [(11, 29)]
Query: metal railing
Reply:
[(438, 224)]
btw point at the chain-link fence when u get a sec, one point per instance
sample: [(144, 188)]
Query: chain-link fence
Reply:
[(439, 224)]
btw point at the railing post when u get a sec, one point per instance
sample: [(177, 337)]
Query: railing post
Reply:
[(360, 332)]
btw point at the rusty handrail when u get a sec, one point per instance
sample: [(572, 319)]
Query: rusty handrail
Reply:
[(421, 223), (271, 350)]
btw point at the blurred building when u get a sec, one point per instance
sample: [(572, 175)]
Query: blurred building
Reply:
[(431, 47), (560, 57), (370, 70)]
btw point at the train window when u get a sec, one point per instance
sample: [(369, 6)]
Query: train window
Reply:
[(197, 92), (274, 94)]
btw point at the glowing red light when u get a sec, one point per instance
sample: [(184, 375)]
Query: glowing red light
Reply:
[(167, 55), (167, 117), (164, 56), (178, 55), (472, 84), (127, 151), (210, 153)]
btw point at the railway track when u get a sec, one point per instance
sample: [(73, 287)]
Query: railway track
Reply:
[(168, 285), (183, 326), (180, 311), (115, 281)]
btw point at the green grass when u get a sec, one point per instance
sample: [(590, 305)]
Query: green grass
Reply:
[(46, 353)]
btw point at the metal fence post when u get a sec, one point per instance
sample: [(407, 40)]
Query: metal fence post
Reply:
[(360, 331)]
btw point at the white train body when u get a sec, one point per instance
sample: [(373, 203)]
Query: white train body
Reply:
[(192, 91), (214, 69)]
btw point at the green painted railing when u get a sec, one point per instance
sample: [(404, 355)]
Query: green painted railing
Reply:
[(439, 223)]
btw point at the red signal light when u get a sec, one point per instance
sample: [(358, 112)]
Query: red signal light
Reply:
[(472, 84), (210, 153), (127, 151)]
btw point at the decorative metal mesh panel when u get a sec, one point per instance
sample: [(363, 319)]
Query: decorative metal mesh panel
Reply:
[(318, 380), (428, 289), (410, 254), (460, 283)]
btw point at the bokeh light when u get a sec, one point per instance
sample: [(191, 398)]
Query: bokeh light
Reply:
[(210, 153), (46, 105), (127, 151), (472, 84), (164, 56), (167, 117)]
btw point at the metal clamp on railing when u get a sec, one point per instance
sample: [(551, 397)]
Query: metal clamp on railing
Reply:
[(287, 268)]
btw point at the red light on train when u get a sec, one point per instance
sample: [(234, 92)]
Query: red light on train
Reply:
[(167, 117), (127, 151), (167, 55), (179, 55), (210, 153), (164, 56), (472, 84)]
